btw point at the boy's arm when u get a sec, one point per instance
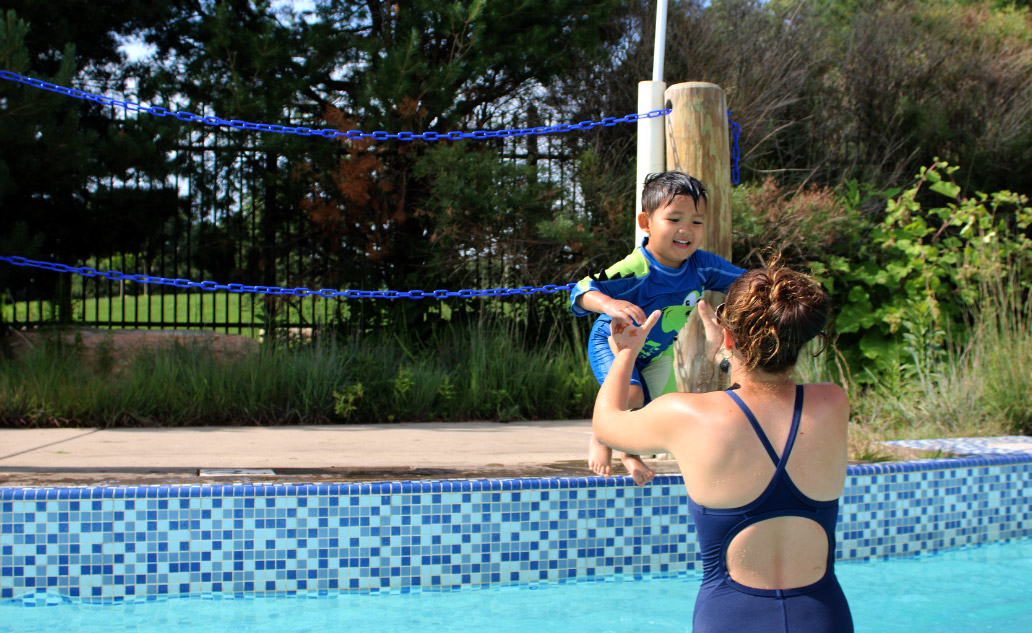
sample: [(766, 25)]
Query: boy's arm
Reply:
[(717, 273), (619, 310), (595, 292)]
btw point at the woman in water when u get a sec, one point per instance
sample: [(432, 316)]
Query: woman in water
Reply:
[(764, 465)]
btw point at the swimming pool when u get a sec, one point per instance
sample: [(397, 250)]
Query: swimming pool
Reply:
[(980, 588), (139, 544)]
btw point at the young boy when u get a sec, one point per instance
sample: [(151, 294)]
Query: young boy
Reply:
[(667, 272)]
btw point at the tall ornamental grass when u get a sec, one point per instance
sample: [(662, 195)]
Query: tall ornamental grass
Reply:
[(476, 371), (981, 387)]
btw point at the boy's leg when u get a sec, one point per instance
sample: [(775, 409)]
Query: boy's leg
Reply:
[(639, 472), (599, 457), (658, 375)]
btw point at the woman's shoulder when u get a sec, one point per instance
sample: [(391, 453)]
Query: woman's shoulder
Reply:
[(828, 392), (828, 401), (698, 407)]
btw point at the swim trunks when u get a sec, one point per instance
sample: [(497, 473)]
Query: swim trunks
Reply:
[(725, 606)]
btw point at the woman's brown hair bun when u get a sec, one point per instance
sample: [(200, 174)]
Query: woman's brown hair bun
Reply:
[(772, 313)]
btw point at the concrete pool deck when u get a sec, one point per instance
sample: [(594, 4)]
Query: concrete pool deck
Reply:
[(333, 453), (367, 452)]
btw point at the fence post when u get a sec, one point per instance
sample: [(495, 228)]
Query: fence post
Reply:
[(697, 144)]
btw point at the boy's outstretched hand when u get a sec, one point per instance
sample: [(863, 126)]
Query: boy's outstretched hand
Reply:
[(629, 336), (624, 312)]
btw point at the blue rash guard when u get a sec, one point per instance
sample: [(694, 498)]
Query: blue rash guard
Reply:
[(643, 281)]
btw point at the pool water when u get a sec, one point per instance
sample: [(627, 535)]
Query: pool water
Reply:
[(984, 588)]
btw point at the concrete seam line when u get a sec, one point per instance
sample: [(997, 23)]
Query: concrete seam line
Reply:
[(36, 448)]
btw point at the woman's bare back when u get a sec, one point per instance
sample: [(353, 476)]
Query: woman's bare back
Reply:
[(725, 466)]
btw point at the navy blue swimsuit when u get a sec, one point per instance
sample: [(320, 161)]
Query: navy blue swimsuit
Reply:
[(725, 606)]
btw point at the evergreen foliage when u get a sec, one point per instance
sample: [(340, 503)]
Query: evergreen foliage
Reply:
[(840, 103)]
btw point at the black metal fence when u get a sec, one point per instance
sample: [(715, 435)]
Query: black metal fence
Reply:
[(207, 218)]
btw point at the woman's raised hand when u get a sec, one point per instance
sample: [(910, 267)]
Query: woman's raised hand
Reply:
[(629, 336), (714, 331)]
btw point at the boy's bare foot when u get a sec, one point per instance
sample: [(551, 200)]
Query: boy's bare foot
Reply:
[(599, 456), (639, 472)]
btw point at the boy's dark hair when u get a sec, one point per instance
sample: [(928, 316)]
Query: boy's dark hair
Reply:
[(661, 189)]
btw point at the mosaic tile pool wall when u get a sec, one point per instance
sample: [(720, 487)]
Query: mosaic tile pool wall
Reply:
[(142, 543)]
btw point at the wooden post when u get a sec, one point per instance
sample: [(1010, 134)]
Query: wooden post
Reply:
[(697, 144)]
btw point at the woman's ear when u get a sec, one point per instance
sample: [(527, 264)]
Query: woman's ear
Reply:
[(729, 341)]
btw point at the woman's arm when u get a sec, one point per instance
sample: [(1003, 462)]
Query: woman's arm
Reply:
[(642, 431)]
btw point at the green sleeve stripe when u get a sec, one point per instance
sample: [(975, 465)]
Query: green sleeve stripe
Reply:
[(634, 265)]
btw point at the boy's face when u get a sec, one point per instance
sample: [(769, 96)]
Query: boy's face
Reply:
[(675, 230)]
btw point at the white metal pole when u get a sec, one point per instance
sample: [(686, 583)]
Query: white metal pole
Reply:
[(651, 132), (660, 43)]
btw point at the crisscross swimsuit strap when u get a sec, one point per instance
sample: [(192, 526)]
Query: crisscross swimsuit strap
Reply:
[(796, 415)]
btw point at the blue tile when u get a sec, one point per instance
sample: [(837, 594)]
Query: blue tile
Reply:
[(468, 531)]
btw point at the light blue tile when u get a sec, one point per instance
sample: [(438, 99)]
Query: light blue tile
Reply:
[(203, 540)]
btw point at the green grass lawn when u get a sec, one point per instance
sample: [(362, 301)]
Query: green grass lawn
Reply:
[(182, 308)]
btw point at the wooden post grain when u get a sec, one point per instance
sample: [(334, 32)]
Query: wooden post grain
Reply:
[(697, 144)]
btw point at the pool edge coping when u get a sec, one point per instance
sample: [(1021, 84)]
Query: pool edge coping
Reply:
[(499, 484)]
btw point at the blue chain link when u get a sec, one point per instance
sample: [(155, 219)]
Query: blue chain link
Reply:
[(114, 275), (736, 130), (325, 132), (358, 134)]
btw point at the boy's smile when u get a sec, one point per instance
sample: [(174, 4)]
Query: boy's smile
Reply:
[(675, 230)]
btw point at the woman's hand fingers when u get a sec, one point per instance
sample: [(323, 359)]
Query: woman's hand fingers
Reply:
[(630, 336), (709, 318), (651, 321), (712, 327), (707, 314)]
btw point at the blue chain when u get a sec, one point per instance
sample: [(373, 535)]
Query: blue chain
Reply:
[(736, 130), (325, 132), (114, 275), (358, 134)]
